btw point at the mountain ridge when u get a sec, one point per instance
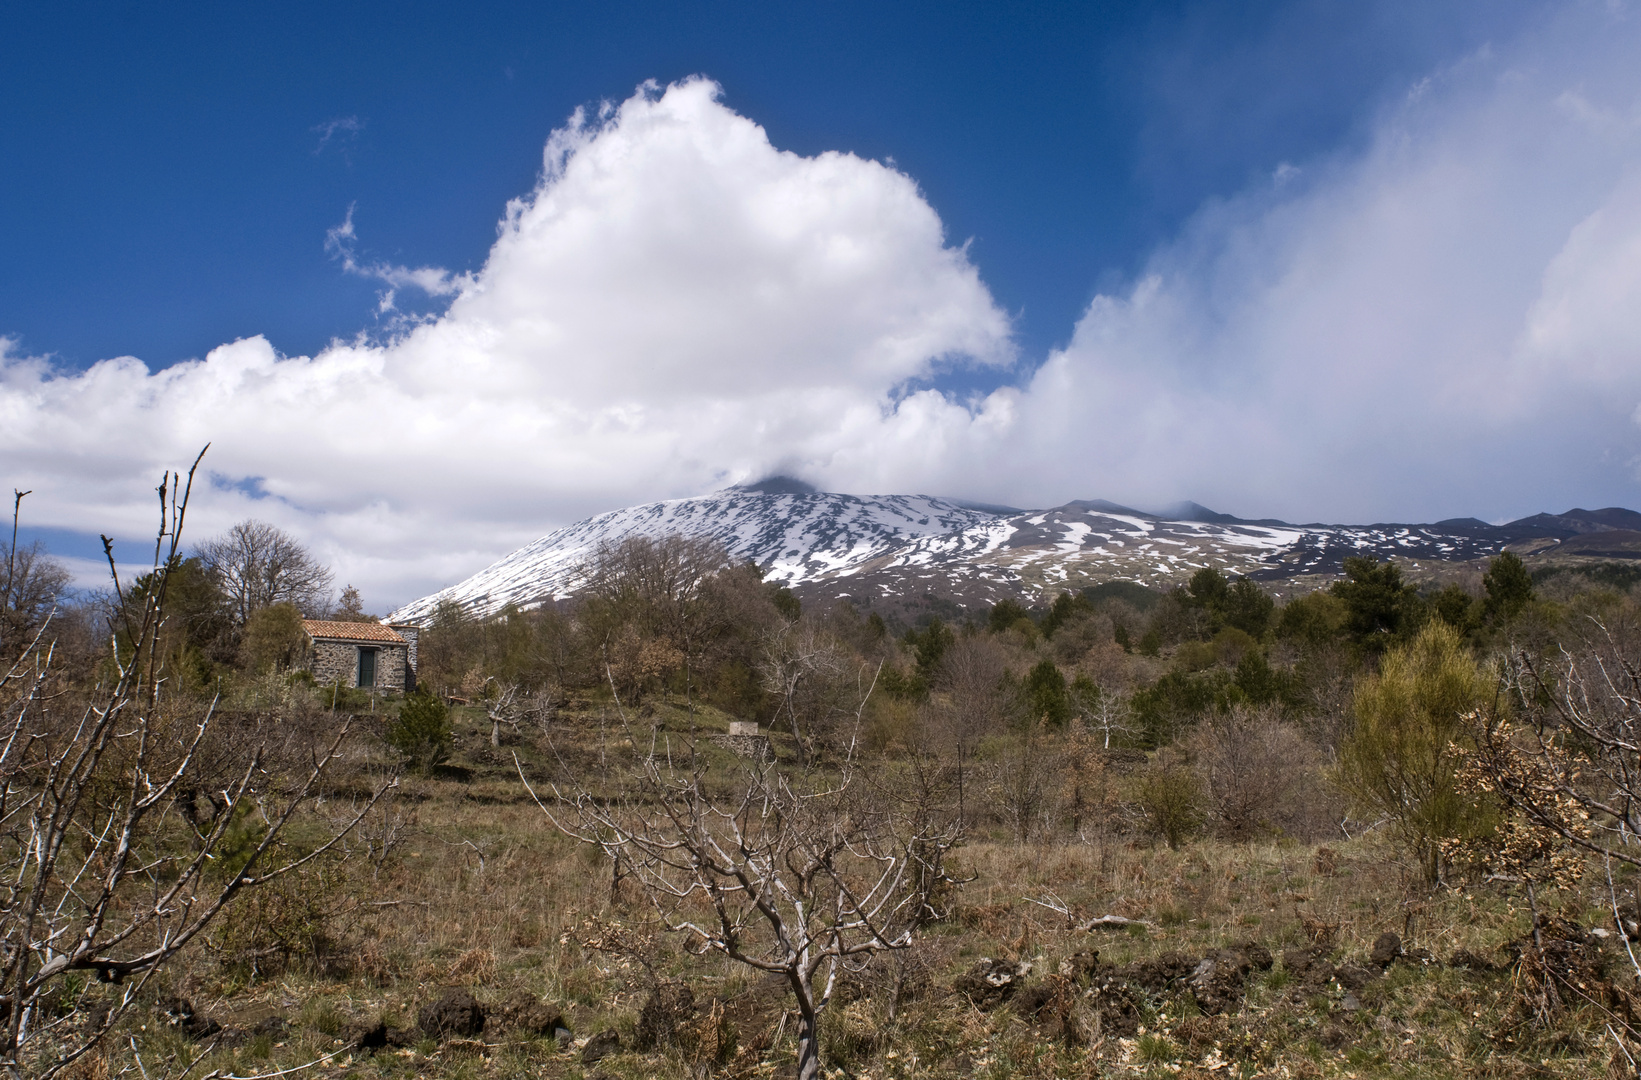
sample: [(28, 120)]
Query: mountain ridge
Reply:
[(876, 548)]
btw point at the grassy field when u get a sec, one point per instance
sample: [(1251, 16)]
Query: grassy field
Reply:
[(460, 884)]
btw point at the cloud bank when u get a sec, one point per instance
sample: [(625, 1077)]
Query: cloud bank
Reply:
[(1445, 322), (678, 305)]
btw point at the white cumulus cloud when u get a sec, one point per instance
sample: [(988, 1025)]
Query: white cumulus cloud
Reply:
[(678, 305)]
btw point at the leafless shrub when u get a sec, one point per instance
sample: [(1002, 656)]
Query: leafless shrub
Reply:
[(971, 703), (803, 878), (113, 857), (1262, 776), (30, 590), (818, 684)]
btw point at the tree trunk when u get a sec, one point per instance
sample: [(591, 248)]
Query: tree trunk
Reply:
[(809, 1067), (495, 732), (809, 1064)]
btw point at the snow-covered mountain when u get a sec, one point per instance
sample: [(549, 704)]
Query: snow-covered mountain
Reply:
[(899, 548), (797, 534)]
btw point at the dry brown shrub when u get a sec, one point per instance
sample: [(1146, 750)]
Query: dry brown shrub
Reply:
[(90, 1067), (475, 967), (1263, 777)]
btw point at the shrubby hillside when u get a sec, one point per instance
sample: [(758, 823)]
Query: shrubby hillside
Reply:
[(1366, 829)]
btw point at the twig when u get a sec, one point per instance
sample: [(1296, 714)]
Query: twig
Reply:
[(1114, 922), (1618, 920), (216, 1074), (1058, 904), (1622, 1049)]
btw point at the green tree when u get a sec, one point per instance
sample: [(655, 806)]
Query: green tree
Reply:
[(1399, 761), (1004, 614), (1209, 588), (1509, 588), (272, 639), (1044, 695), (1174, 702), (1259, 683), (350, 607), (1313, 619), (421, 732), (1455, 607), (1381, 608), (785, 600), (929, 646), (1170, 794), (1066, 608), (1248, 608), (199, 639)]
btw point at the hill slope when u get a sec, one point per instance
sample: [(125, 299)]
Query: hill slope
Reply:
[(898, 547)]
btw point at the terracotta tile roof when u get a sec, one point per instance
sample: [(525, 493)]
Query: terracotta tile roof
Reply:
[(352, 631)]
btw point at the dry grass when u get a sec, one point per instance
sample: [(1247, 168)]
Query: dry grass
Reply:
[(482, 894)]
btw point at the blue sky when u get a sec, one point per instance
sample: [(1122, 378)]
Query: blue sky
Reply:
[(169, 179), (1367, 261)]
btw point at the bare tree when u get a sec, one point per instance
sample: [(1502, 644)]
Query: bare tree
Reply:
[(107, 866), (502, 706), (807, 883), (256, 564), (650, 591), (815, 680), (1105, 711), (33, 583), (972, 701)]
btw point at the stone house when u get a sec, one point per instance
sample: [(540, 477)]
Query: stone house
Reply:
[(361, 654)]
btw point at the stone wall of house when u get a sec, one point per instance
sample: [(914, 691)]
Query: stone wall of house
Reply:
[(411, 633), (331, 661)]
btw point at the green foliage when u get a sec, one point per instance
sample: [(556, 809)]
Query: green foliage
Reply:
[(1044, 695), (1241, 604), (786, 601), (277, 925), (1381, 609), (1172, 798), (1131, 593), (1257, 682), (1248, 608), (1313, 619), (421, 731), (1509, 588), (1455, 607), (1174, 702), (1399, 761), (350, 607), (1621, 577), (929, 646), (272, 639), (1209, 588), (1066, 608), (735, 688), (199, 641), (239, 842), (1005, 614), (899, 684)]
